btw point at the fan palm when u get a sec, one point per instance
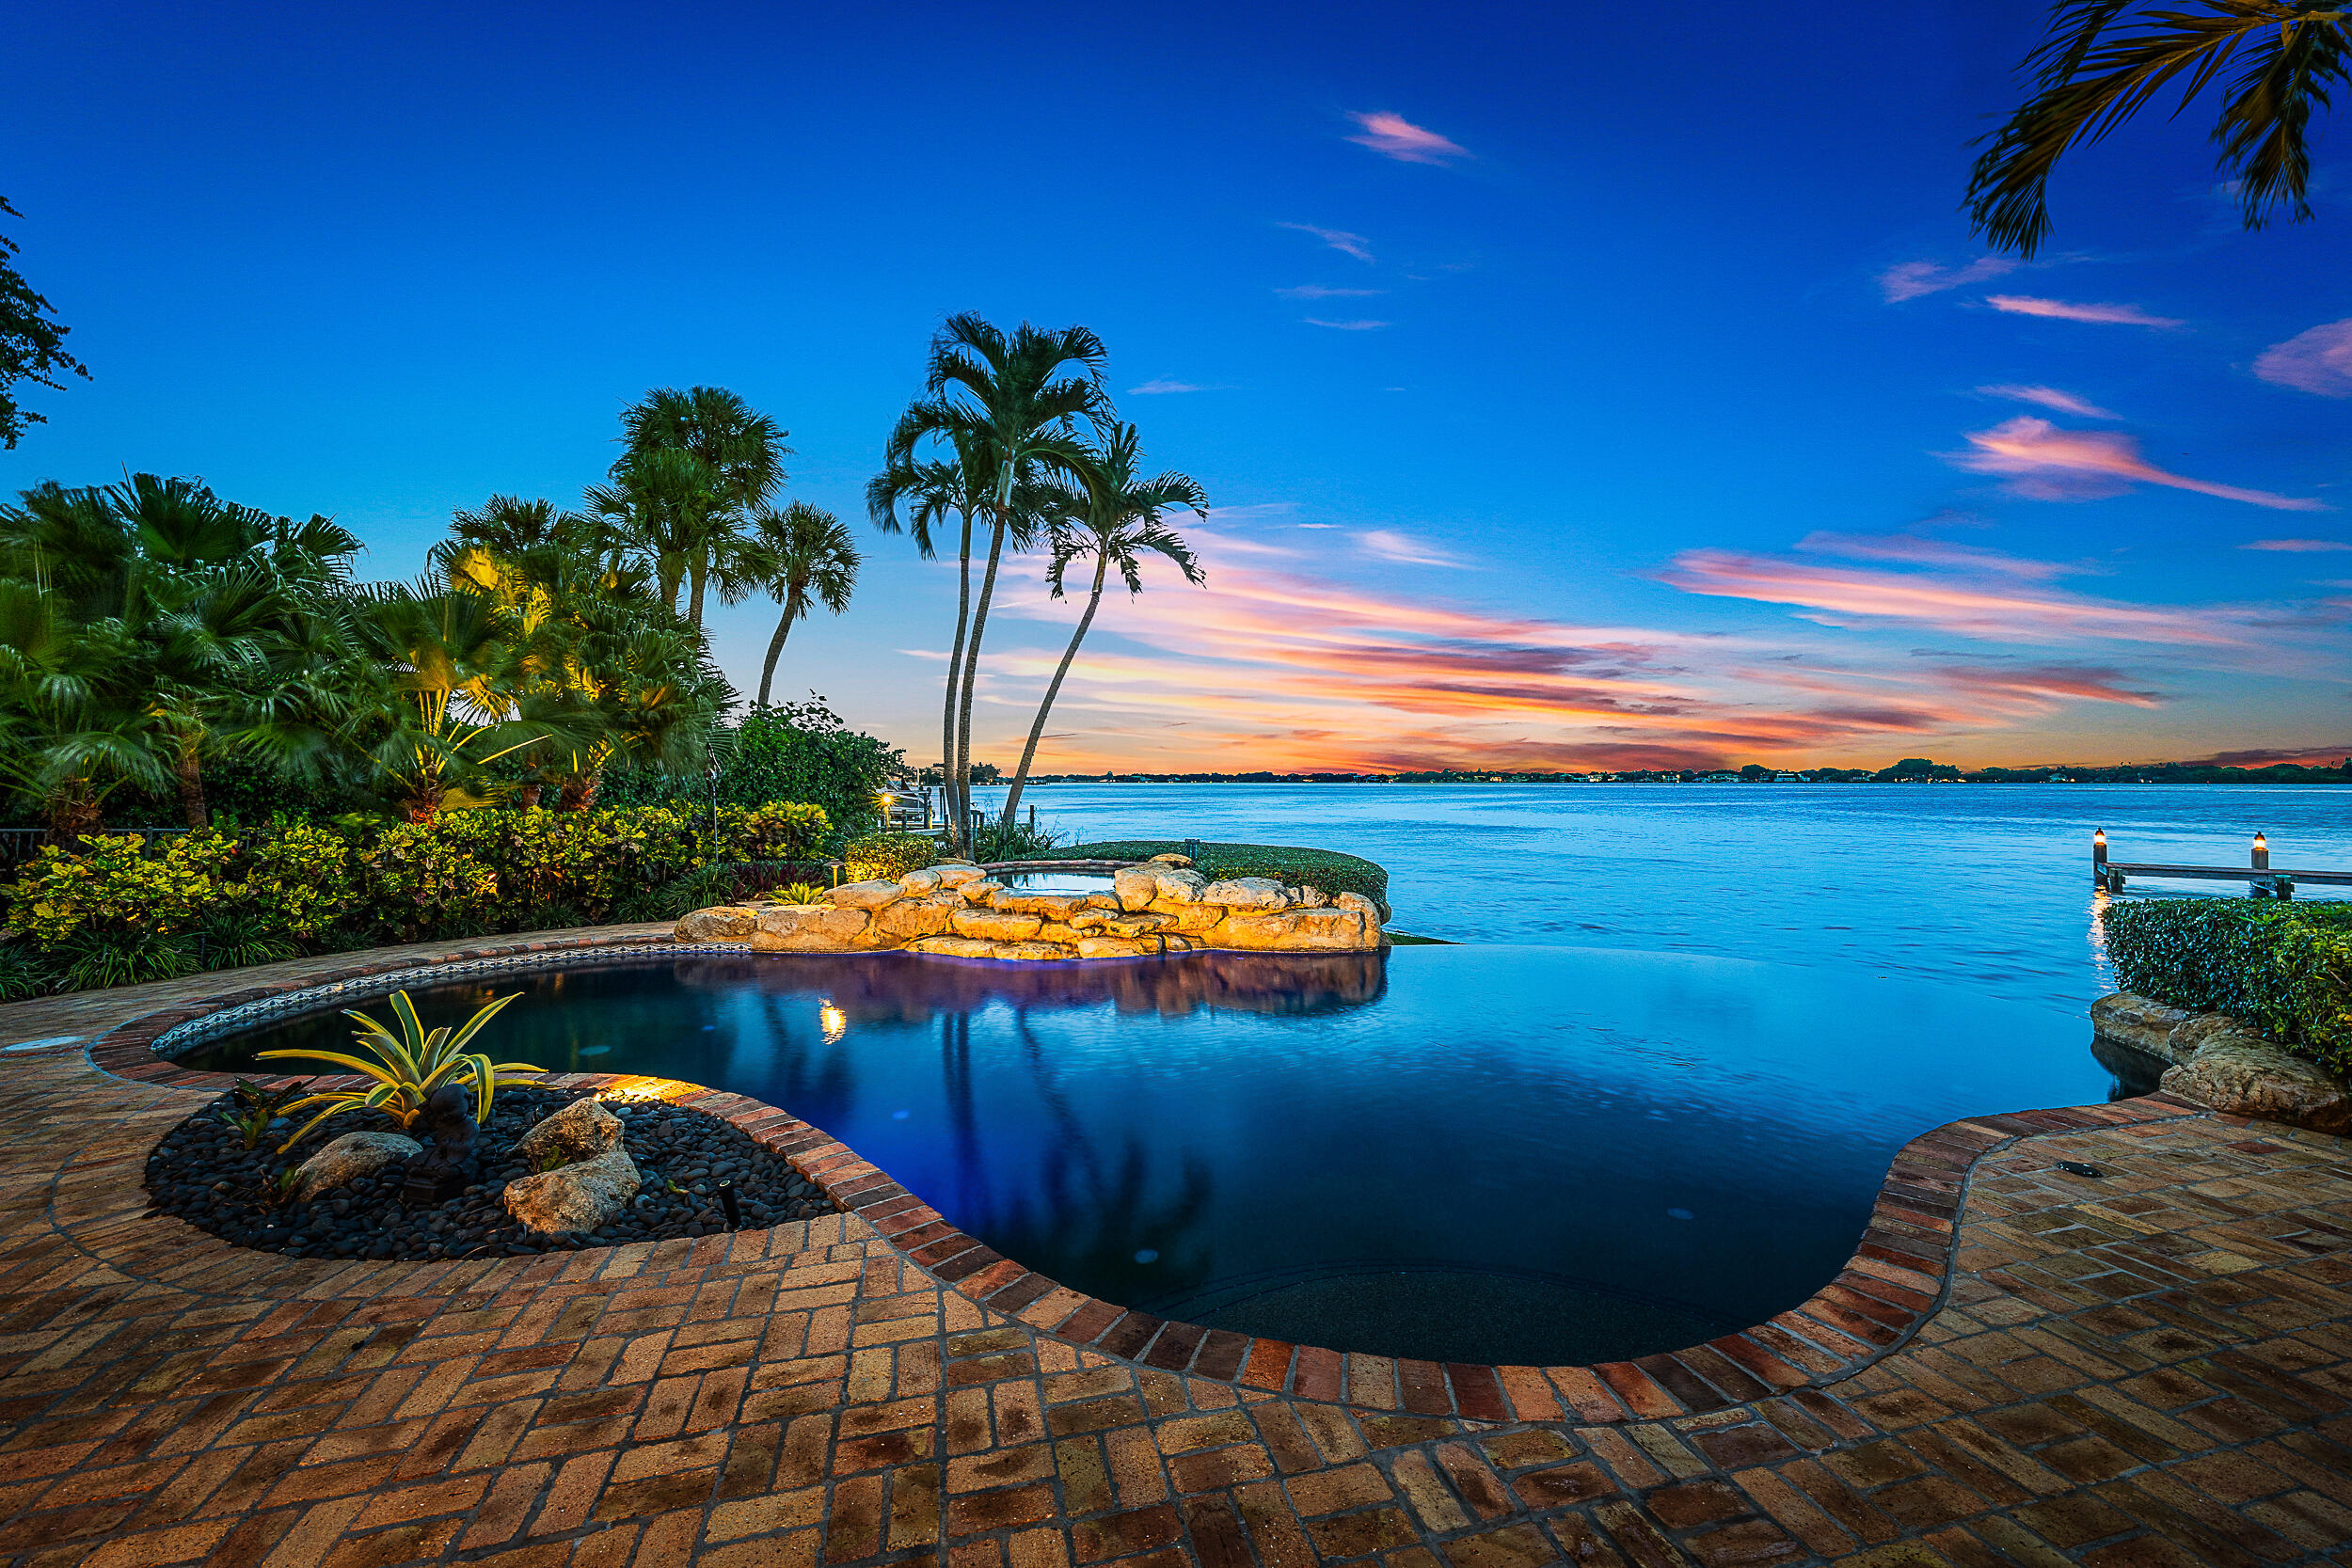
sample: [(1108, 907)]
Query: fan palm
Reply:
[(2104, 59), (743, 450), (1116, 523), (804, 558), (1003, 405), (670, 506), (453, 664)]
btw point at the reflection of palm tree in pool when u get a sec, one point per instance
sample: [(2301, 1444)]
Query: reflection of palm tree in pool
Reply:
[(1090, 1220)]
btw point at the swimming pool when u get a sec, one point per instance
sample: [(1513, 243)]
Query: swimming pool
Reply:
[(1487, 1154)]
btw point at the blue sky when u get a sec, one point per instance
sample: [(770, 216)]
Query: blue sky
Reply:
[(1574, 387)]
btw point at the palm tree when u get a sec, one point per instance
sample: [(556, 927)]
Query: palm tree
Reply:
[(803, 557), (670, 506), (2098, 67), (743, 449), (1003, 406), (1115, 523), (455, 666), (931, 490)]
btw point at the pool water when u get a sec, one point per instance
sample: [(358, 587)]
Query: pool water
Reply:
[(1488, 1154)]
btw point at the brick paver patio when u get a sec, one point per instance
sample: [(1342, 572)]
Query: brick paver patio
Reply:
[(2152, 1366)]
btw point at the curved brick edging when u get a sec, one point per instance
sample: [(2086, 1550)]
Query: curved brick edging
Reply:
[(1894, 1281)]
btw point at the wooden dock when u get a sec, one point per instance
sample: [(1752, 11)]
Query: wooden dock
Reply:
[(2261, 878)]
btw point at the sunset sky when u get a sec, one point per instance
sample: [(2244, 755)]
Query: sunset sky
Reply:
[(1576, 386)]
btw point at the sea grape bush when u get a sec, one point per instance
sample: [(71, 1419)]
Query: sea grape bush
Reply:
[(886, 856), (354, 883), (2285, 968)]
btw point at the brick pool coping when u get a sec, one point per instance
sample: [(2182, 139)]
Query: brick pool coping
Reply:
[(1896, 1280)]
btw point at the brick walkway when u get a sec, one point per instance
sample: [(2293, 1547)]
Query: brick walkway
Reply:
[(2150, 1368)]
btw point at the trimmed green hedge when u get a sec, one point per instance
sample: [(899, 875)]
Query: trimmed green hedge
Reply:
[(1328, 870), (2285, 968)]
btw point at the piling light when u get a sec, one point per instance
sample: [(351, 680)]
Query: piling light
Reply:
[(833, 1020), (2261, 852)]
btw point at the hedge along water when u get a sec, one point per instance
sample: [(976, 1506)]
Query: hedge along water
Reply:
[(2286, 969)]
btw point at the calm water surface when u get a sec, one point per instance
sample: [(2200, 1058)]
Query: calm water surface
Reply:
[(1650, 1101)]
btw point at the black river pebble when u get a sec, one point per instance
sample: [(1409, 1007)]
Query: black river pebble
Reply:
[(202, 1173)]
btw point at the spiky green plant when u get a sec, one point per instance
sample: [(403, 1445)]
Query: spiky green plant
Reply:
[(408, 1067), (798, 892)]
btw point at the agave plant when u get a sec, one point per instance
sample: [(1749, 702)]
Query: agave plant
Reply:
[(252, 1107), (798, 892), (410, 1065)]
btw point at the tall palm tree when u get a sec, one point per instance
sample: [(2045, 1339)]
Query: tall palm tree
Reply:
[(2103, 60), (932, 491), (743, 449), (1115, 522), (670, 506), (1003, 407), (455, 666), (804, 558)]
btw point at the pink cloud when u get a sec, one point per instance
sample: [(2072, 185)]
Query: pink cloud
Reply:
[(2050, 397), (2060, 309), (2045, 462), (1338, 239), (2319, 360), (1404, 549), (1919, 550), (1911, 279), (1394, 136), (1316, 290), (2297, 546), (1346, 325)]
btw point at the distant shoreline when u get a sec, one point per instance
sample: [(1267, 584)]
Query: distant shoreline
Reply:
[(2174, 775)]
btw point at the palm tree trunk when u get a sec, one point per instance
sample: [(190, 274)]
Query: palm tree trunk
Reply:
[(947, 714), (775, 652), (188, 775), (971, 670), (698, 574), (1053, 689), (73, 812)]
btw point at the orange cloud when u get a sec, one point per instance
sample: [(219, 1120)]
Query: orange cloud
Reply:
[(2045, 462)]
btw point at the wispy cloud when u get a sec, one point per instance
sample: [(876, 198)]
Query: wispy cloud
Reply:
[(1317, 290), (1403, 549), (2049, 397), (2044, 462), (1394, 136), (1921, 550), (2319, 360), (2297, 546), (1347, 325), (1911, 279), (2067, 310), (1338, 239), (1986, 608), (1155, 387)]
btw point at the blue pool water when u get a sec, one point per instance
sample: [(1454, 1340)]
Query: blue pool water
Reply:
[(1491, 1154)]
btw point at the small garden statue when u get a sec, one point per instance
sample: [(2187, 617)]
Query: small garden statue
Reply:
[(447, 1120)]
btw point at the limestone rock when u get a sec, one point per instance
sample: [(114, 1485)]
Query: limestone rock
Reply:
[(809, 928), (1179, 885), (867, 896), (910, 919), (1358, 903), (2258, 1079), (1182, 863), (1112, 947), (954, 947), (578, 1197), (1247, 892), (580, 1131), (981, 890), (1190, 919), (1309, 898), (1053, 906), (1035, 952), (995, 924), (919, 883), (349, 1157), (724, 923), (1136, 886), (2168, 1034), (957, 873), (1297, 930)]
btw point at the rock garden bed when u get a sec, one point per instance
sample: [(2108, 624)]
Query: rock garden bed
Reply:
[(202, 1172)]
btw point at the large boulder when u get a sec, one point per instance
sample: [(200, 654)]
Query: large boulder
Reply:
[(954, 947), (1325, 930), (809, 928), (865, 896), (578, 1197), (919, 883), (958, 873), (979, 892), (349, 1157), (1189, 919), (2128, 1020), (2245, 1077), (1247, 892), (996, 925), (1358, 903), (1179, 885), (580, 1131), (909, 919), (1053, 906), (724, 923), (1114, 947), (1136, 886)]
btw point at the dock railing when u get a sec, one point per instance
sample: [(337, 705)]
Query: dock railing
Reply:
[(2261, 879)]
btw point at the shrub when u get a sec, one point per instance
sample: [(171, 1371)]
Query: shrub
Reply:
[(792, 751), (882, 856), (1327, 870), (2285, 968), (1010, 841)]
